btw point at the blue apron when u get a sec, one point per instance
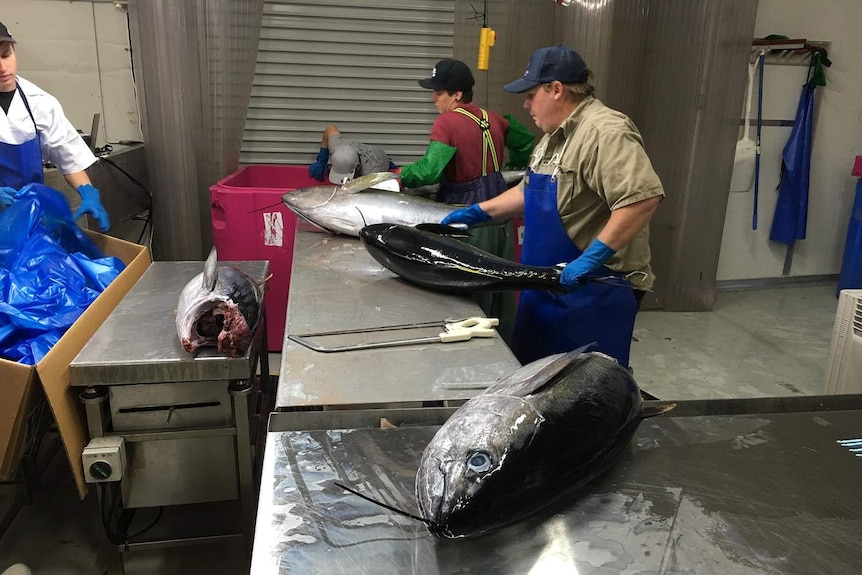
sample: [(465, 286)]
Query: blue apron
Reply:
[(549, 323), (21, 164), (791, 209)]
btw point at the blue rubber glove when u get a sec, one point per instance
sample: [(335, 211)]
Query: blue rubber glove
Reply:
[(7, 196), (592, 259), (470, 215), (90, 204), (318, 168)]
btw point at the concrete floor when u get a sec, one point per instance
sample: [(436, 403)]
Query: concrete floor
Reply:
[(754, 343)]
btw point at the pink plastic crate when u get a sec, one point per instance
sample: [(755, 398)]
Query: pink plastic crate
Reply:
[(250, 222)]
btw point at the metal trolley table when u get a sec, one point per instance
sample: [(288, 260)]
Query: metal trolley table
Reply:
[(768, 487), (186, 421)]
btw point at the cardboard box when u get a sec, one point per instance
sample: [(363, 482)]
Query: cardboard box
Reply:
[(22, 385)]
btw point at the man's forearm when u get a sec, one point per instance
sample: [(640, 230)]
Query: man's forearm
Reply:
[(626, 222), (509, 204), (76, 179)]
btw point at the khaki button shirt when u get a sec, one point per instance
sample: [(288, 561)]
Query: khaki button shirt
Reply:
[(602, 166)]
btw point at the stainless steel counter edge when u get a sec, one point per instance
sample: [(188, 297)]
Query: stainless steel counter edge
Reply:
[(362, 418)]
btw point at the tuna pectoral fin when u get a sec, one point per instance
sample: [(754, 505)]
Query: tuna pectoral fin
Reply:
[(654, 410), (210, 276), (367, 181), (442, 230)]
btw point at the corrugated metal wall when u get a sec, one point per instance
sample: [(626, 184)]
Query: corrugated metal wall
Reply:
[(193, 63), (690, 96), (353, 63)]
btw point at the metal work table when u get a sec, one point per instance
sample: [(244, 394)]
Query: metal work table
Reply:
[(138, 342), (336, 285), (186, 420), (739, 494)]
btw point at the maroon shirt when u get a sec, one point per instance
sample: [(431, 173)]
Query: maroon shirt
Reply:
[(463, 133)]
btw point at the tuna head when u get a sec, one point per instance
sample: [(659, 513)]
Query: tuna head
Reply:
[(473, 469), (219, 307)]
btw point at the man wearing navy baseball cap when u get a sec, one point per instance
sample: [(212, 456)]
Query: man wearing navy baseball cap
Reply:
[(587, 199)]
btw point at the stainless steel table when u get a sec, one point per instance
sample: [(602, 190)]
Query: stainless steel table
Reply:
[(186, 420), (737, 494), (336, 285)]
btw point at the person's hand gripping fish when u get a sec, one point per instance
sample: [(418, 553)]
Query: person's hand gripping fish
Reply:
[(591, 260)]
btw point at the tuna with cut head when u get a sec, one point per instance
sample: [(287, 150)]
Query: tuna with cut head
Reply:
[(546, 429), (219, 307)]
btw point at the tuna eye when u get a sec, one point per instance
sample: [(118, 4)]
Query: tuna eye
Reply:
[(479, 462)]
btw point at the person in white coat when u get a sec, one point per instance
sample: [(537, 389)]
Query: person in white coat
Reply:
[(34, 129)]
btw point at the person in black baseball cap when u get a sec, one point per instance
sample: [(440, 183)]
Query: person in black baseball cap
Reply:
[(5, 36), (465, 157), (35, 130), (450, 75), (587, 199)]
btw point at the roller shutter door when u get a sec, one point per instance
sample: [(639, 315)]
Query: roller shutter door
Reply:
[(353, 63)]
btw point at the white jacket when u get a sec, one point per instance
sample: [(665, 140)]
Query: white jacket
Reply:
[(61, 143)]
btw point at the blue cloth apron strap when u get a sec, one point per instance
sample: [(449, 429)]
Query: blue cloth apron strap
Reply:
[(21, 164), (547, 323)]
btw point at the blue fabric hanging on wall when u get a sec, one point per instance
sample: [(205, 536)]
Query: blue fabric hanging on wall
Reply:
[(791, 210)]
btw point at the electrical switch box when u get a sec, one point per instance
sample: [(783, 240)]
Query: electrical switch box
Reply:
[(104, 459)]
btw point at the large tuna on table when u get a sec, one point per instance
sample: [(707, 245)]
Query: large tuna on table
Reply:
[(440, 262), (541, 432), (347, 209), (220, 307)]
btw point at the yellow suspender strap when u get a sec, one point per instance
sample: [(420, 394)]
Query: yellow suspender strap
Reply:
[(487, 140)]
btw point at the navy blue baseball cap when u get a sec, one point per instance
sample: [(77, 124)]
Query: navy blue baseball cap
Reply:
[(549, 64)]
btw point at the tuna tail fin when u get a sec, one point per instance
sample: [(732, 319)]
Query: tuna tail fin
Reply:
[(385, 506), (211, 270), (655, 410)]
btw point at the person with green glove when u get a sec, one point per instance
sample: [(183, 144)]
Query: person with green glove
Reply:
[(587, 199), (465, 157), (34, 129)]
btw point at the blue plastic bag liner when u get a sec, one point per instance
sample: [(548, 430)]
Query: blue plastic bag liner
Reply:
[(50, 271)]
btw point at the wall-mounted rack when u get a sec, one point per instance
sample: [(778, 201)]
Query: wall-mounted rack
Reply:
[(791, 52)]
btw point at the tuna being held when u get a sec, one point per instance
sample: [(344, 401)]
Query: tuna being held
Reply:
[(347, 209), (219, 307), (444, 263), (548, 428)]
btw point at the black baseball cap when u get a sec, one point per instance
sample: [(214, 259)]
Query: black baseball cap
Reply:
[(549, 64), (4, 34), (452, 75)]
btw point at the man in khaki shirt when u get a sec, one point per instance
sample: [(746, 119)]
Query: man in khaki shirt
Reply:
[(587, 201)]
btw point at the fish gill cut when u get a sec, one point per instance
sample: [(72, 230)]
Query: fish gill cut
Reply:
[(219, 307)]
